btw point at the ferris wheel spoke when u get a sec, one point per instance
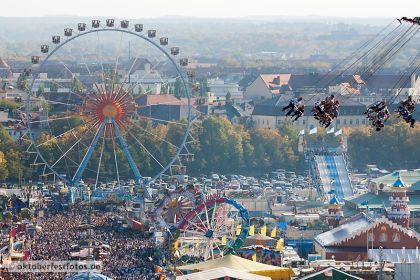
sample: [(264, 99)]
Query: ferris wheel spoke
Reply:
[(51, 120), (64, 133), (125, 79), (115, 157), (152, 134), (207, 215), (161, 120), (147, 150), (101, 60), (65, 153), (201, 221), (52, 102), (217, 246), (199, 229), (100, 159)]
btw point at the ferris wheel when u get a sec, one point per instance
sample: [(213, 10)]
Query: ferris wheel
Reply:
[(215, 227), (108, 101)]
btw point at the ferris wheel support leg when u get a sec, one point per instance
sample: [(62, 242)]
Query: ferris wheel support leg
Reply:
[(78, 175), (124, 147)]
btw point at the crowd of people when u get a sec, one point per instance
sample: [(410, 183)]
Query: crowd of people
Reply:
[(132, 254), (378, 114), (405, 110)]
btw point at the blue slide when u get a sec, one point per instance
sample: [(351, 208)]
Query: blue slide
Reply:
[(333, 175)]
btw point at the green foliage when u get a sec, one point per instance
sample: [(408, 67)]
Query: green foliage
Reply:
[(178, 88), (54, 86), (8, 104), (76, 85), (40, 90), (22, 81), (228, 96), (394, 147)]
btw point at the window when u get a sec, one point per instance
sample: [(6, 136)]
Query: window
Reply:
[(364, 121), (357, 121), (263, 121), (279, 122), (344, 121), (383, 237), (303, 122), (338, 121), (351, 121), (396, 237)]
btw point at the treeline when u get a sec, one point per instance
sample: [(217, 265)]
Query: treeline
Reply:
[(224, 147)]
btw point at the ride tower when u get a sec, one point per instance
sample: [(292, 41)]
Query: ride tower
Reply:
[(399, 211), (335, 214)]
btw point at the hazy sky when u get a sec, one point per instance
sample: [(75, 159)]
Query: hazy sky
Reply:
[(210, 8)]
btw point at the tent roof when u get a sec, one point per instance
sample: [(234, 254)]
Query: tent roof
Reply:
[(220, 272), (87, 275), (236, 263)]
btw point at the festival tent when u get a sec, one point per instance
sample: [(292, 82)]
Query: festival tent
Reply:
[(243, 265), (259, 239), (222, 272)]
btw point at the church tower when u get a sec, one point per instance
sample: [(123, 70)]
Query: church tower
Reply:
[(334, 214), (399, 212)]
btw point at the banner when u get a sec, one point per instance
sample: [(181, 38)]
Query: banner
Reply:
[(251, 230), (273, 232), (264, 230), (313, 130), (338, 132)]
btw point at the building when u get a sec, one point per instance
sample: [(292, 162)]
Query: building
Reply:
[(162, 107), (352, 239), (266, 86), (269, 114), (219, 88)]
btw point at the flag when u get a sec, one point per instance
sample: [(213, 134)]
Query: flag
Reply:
[(254, 257), (280, 244), (274, 232), (331, 130), (328, 272), (338, 132), (313, 130), (251, 230), (302, 132), (238, 229), (224, 240), (263, 230)]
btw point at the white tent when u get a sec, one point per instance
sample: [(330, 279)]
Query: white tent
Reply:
[(222, 272)]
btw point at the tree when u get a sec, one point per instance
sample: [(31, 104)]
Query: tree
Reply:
[(40, 90), (178, 88), (3, 167), (203, 86), (228, 97), (22, 82), (54, 86), (76, 85)]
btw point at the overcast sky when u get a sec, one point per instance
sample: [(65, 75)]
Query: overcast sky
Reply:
[(210, 8)]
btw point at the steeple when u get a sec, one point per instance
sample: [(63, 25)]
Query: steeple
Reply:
[(334, 214), (399, 211)]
